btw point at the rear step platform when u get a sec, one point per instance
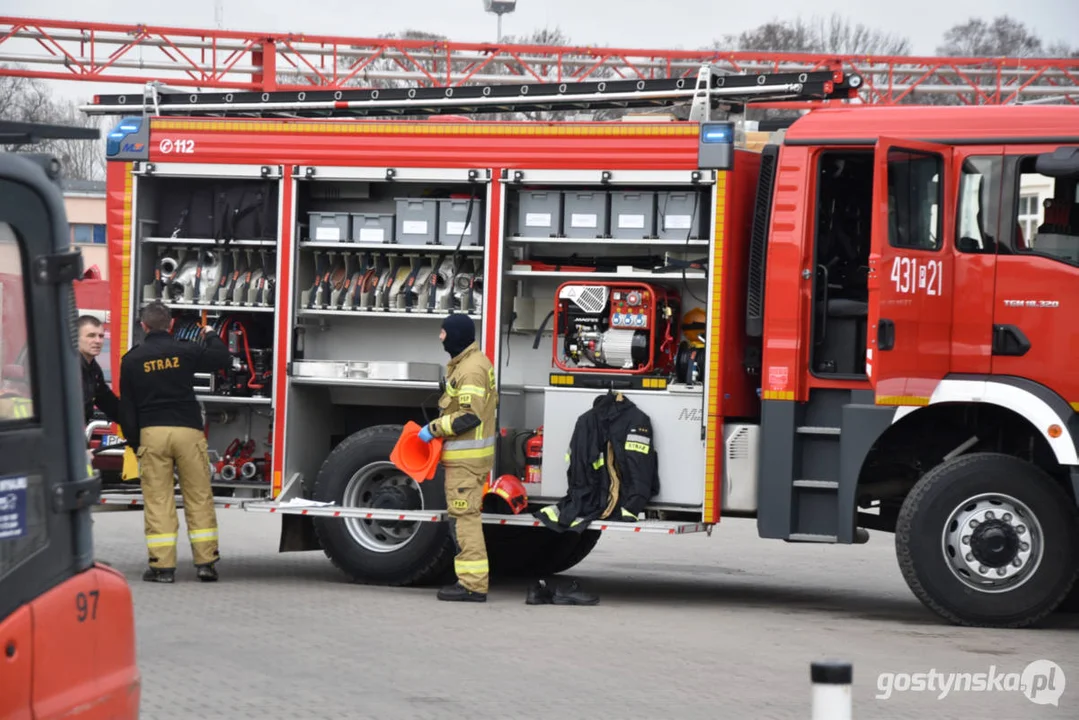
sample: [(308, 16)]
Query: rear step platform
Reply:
[(134, 500), (307, 507)]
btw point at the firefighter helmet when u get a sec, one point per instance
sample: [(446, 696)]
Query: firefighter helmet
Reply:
[(511, 489), (693, 326)]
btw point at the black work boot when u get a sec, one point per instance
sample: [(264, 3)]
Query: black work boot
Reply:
[(539, 593), (573, 595), (207, 572), (161, 575), (458, 593)]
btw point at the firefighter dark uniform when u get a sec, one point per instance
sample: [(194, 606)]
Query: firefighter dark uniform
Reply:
[(467, 424), (162, 422), (97, 393)]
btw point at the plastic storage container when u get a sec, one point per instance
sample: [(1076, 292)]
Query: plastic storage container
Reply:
[(417, 221), (539, 213), (451, 222), (633, 214), (585, 213), (678, 215), (372, 227), (327, 226)]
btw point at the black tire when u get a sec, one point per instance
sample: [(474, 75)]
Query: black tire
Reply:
[(515, 551), (429, 553), (927, 568)]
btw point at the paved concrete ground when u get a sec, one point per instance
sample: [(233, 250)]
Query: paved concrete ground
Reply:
[(688, 627)]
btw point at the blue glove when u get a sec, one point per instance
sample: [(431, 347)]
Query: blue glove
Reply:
[(426, 435)]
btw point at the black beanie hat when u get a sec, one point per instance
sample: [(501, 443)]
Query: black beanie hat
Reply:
[(460, 333)]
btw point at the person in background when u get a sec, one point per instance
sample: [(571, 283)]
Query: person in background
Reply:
[(467, 424), (95, 391), (162, 421)]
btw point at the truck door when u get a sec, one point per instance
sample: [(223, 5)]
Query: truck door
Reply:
[(910, 271), (1037, 284), (45, 492)]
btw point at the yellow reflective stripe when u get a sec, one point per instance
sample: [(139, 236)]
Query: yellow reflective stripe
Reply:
[(470, 567), (468, 444), (23, 407), (637, 447), (567, 457), (447, 424), (451, 390), (600, 462), (491, 378), (161, 540), (207, 535), (627, 514), (468, 454), (474, 389)]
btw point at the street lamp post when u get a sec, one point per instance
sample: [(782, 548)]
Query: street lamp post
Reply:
[(499, 8)]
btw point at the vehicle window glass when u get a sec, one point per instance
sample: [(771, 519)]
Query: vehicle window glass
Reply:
[(1046, 214), (16, 393), (105, 358), (914, 199), (979, 205), (23, 519)]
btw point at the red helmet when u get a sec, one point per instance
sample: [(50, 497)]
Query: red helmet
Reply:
[(512, 490)]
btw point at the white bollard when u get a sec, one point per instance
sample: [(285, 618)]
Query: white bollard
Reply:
[(831, 690)]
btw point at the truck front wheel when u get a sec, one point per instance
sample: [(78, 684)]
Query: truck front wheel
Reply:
[(358, 473), (988, 540)]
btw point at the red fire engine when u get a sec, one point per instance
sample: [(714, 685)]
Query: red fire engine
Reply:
[(885, 343)]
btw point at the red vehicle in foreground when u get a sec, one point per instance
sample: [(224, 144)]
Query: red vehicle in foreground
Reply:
[(846, 329), (67, 626)]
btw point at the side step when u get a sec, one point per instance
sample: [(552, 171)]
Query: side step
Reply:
[(134, 500), (307, 507)]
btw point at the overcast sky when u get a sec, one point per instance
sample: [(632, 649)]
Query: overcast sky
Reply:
[(625, 23)]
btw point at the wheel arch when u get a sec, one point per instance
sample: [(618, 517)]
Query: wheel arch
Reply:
[(1039, 406), (921, 437)]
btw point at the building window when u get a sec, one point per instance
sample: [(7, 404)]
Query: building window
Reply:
[(1029, 217), (83, 233)]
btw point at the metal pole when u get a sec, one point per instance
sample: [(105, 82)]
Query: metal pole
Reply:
[(831, 690), (499, 28)]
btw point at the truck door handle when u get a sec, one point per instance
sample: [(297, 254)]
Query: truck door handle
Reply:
[(1009, 340), (885, 334)]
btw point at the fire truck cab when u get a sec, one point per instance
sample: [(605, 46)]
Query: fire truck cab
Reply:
[(67, 634), (851, 327)]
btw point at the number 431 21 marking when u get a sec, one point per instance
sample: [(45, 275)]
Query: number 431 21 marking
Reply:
[(912, 277)]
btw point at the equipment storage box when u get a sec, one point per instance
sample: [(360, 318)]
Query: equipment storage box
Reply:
[(451, 222), (679, 215), (633, 214), (585, 213), (328, 226), (539, 213), (417, 221), (677, 442), (372, 227)]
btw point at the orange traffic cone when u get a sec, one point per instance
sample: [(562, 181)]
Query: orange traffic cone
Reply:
[(413, 456)]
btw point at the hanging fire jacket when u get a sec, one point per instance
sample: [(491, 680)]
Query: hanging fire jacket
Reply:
[(612, 467)]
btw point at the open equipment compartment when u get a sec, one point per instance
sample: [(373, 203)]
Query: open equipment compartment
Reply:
[(381, 257), (590, 267), (207, 248)]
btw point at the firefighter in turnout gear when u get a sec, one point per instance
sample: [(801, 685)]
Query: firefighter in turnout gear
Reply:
[(162, 421), (467, 424)]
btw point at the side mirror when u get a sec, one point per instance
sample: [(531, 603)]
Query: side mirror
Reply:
[(1061, 163)]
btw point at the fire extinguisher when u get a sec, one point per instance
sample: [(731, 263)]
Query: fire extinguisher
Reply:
[(534, 456)]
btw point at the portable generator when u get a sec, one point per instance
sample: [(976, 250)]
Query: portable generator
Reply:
[(616, 327)]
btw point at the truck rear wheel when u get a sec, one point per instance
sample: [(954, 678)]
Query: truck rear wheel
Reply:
[(358, 473), (988, 540)]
